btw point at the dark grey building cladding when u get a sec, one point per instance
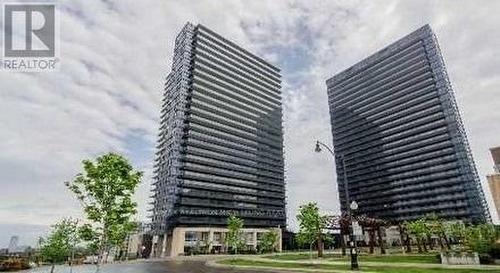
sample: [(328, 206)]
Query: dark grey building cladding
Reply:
[(220, 149), (395, 120)]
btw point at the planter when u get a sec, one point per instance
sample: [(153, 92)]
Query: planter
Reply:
[(459, 258)]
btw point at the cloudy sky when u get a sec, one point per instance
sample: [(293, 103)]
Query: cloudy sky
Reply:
[(115, 56)]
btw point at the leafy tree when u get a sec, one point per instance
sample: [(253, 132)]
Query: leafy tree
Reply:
[(105, 190), (119, 234), (234, 236), (311, 226), (481, 238), (57, 247), (456, 231), (373, 226), (437, 226), (91, 237), (418, 229), (269, 241), (404, 237)]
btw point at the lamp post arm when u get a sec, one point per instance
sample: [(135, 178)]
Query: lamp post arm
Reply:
[(326, 146)]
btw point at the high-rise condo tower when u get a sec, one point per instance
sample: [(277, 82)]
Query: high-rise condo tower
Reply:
[(220, 147), (396, 123)]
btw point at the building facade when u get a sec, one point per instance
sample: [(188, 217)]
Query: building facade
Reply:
[(494, 179), (395, 120), (220, 147), (495, 154)]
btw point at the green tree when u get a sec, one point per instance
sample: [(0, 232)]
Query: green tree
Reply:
[(119, 234), (90, 237), (437, 226), (59, 244), (481, 238), (105, 190), (269, 241), (311, 226), (234, 236), (456, 232), (418, 229)]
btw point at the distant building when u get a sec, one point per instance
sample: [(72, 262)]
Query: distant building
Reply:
[(220, 146), (395, 121), (495, 153), (13, 244), (494, 179)]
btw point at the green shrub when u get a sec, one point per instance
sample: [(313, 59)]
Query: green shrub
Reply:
[(495, 251), (438, 258), (485, 258)]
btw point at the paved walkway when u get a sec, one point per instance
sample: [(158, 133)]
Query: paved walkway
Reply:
[(151, 266), (213, 263)]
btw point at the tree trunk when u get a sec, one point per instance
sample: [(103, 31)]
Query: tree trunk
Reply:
[(342, 243), (408, 243), (52, 268), (107, 256), (402, 238), (419, 245), (423, 240), (371, 234), (102, 247), (120, 254), (380, 240), (431, 244), (441, 245), (447, 241), (320, 246)]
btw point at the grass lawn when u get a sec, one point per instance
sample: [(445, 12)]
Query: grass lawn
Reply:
[(389, 258), (421, 259), (302, 256), (379, 269)]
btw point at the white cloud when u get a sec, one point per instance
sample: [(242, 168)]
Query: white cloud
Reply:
[(116, 55)]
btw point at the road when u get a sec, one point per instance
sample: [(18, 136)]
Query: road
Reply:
[(173, 266)]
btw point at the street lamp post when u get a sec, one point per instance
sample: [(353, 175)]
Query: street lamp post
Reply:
[(349, 206), (354, 250)]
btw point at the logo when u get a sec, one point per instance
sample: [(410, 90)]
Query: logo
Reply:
[(29, 37)]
